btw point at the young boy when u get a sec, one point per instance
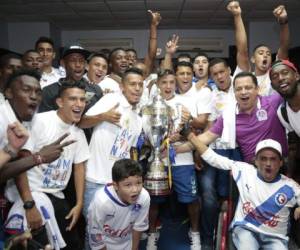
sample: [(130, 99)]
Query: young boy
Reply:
[(118, 213)]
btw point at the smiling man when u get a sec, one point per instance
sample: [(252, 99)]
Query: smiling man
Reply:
[(266, 196), (74, 59), (45, 46), (52, 178)]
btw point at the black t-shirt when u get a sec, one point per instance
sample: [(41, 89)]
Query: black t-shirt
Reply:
[(50, 93)]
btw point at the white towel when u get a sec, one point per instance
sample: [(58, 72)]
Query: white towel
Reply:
[(229, 125), (16, 220)]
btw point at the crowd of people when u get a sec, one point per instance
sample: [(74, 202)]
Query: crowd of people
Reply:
[(81, 126)]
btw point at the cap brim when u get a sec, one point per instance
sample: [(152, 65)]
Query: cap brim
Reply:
[(83, 52)]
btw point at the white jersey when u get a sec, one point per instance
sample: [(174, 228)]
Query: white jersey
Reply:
[(294, 119), (109, 141), (176, 104), (197, 100), (52, 178), (264, 207), (111, 221), (109, 85), (49, 78)]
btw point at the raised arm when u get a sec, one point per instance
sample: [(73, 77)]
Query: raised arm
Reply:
[(150, 57), (242, 56), (171, 48), (282, 18)]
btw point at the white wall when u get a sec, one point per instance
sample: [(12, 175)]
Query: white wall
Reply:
[(22, 36), (140, 37), (268, 33), (3, 35)]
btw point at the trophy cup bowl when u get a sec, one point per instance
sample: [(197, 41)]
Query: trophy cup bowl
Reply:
[(157, 119)]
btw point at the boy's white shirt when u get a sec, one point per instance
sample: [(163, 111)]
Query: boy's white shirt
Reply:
[(110, 221)]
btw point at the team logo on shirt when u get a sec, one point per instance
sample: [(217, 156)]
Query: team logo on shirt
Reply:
[(136, 207), (280, 199), (96, 237)]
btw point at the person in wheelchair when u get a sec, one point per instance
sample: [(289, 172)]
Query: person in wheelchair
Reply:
[(266, 197)]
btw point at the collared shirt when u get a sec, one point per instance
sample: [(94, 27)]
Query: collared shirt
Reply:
[(261, 123), (49, 78)]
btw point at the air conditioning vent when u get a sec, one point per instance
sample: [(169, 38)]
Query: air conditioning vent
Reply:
[(99, 44), (215, 45)]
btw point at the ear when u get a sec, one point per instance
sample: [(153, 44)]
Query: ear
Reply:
[(252, 59), (229, 70), (54, 55), (115, 184), (8, 93), (297, 76), (59, 102)]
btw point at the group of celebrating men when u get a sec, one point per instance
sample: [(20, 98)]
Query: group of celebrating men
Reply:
[(85, 120)]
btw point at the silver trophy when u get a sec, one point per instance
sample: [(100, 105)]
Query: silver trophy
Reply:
[(156, 119)]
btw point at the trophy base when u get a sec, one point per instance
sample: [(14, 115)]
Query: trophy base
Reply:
[(157, 186)]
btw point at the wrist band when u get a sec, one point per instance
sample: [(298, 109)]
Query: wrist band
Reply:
[(38, 158), (13, 153), (283, 22)]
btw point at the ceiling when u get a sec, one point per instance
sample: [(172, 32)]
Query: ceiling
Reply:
[(132, 14)]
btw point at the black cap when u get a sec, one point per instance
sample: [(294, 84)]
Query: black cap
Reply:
[(75, 49)]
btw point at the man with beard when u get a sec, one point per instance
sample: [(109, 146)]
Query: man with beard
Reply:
[(23, 93), (285, 80), (74, 59), (47, 181), (45, 46), (262, 54)]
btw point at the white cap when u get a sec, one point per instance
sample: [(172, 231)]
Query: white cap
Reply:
[(268, 143)]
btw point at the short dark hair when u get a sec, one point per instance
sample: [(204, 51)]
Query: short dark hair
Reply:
[(164, 72), (96, 54), (44, 39), (132, 70), (125, 168), (29, 51), (111, 54), (215, 61), (246, 74), (69, 85), (182, 55), (184, 64), (201, 54), (131, 50), (260, 45), (5, 58), (22, 72)]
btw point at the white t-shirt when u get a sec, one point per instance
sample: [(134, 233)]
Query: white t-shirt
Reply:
[(111, 221), (52, 178), (109, 85), (220, 100), (197, 101), (294, 119), (111, 142), (49, 78), (176, 104), (264, 207)]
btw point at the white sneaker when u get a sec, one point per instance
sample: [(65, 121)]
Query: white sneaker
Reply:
[(152, 241), (195, 240)]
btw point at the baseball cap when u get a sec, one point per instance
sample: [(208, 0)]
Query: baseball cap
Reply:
[(269, 143), (284, 62), (75, 49)]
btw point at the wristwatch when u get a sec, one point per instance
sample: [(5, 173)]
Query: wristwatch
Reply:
[(28, 204), (10, 150)]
